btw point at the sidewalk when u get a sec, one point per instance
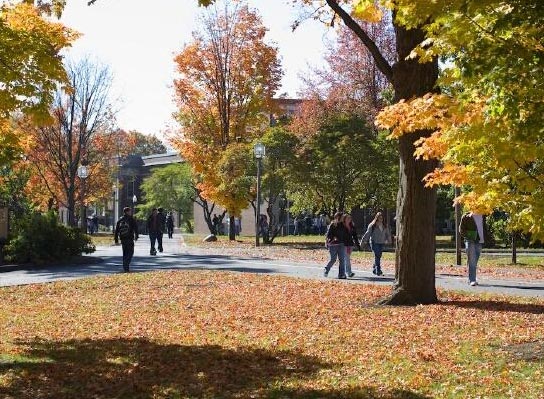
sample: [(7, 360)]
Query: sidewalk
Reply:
[(107, 260)]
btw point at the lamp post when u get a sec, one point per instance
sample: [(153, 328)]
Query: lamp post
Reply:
[(134, 200), (83, 173), (259, 152)]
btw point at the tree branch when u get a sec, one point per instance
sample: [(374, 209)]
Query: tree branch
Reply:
[(379, 59)]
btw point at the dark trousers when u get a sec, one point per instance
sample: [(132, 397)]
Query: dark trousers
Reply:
[(170, 232), (152, 239), (159, 241), (128, 252)]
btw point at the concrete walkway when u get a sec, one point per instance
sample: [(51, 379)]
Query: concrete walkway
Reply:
[(176, 256)]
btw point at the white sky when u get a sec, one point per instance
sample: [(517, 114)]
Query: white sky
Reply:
[(137, 39)]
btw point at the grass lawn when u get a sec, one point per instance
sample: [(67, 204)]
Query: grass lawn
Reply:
[(225, 335), (316, 242)]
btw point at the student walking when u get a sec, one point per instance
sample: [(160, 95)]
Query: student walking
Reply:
[(170, 224), (335, 241), (153, 228), (471, 230), (126, 230), (351, 241), (378, 235), (162, 227)]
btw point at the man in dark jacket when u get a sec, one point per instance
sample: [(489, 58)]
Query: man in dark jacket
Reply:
[(162, 227), (153, 229), (126, 230)]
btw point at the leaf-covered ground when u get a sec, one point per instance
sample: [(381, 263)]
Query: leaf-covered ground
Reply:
[(182, 334), (311, 249)]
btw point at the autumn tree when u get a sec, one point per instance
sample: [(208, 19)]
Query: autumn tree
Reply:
[(31, 67), (226, 79), (488, 118), (144, 144), (81, 117)]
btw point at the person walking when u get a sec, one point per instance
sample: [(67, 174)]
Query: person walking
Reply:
[(351, 241), (377, 234), (471, 230), (335, 241), (170, 224), (126, 230), (153, 228), (162, 227)]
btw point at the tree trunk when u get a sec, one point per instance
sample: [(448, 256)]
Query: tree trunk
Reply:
[(416, 204), (232, 229)]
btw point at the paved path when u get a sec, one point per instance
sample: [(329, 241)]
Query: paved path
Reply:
[(177, 256)]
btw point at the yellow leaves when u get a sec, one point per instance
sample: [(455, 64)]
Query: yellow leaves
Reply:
[(367, 10), (32, 65)]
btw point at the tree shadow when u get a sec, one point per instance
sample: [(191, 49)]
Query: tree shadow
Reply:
[(350, 393), (497, 306), (139, 368)]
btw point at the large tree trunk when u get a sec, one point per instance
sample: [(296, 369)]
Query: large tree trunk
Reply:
[(416, 204)]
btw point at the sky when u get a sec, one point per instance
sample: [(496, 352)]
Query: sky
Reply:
[(137, 40)]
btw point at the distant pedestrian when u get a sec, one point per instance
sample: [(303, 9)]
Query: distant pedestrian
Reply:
[(378, 235), (162, 227), (351, 242), (215, 224), (126, 230), (296, 224), (471, 230), (335, 241), (170, 224), (153, 228)]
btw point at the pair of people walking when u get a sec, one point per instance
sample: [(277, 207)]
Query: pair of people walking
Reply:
[(341, 238), (156, 226)]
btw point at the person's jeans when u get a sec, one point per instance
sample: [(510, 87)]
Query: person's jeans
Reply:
[(349, 250), (152, 239), (378, 250), (337, 251), (128, 252), (474, 249)]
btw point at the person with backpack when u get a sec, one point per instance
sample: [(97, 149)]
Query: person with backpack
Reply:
[(126, 230), (335, 242), (378, 235)]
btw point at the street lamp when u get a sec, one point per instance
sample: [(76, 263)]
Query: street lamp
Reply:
[(134, 200), (83, 173), (259, 152)]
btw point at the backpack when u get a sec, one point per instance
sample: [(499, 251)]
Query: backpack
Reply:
[(124, 229)]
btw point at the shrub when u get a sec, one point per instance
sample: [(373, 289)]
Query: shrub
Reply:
[(39, 238)]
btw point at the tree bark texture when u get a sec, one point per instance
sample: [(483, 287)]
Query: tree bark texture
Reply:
[(416, 204)]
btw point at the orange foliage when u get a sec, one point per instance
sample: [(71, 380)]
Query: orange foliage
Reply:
[(227, 78)]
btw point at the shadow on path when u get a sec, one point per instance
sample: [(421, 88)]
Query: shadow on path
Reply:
[(139, 368)]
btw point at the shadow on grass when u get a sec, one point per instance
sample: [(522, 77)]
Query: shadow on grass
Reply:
[(498, 306), (138, 368)]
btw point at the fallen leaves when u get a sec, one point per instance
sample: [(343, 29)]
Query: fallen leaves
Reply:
[(215, 334)]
